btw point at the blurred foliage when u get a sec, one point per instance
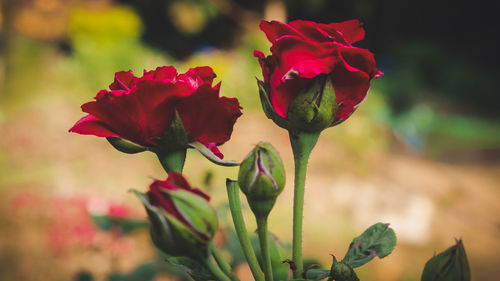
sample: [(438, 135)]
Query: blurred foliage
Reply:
[(104, 27), (105, 41), (122, 225)]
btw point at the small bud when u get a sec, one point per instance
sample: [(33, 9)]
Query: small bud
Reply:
[(450, 265), (341, 271), (262, 178), (182, 221)]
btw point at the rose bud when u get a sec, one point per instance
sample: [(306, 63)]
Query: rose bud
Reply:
[(182, 221), (314, 77), (164, 112), (262, 178), (449, 265), (341, 271)]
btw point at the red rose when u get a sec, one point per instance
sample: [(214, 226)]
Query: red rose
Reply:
[(159, 197), (141, 109), (182, 221), (303, 50)]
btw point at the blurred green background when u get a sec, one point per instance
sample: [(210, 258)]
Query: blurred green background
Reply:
[(422, 153)]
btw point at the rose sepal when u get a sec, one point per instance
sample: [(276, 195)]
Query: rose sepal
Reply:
[(196, 210), (173, 146), (205, 151), (125, 146), (268, 107), (315, 107)]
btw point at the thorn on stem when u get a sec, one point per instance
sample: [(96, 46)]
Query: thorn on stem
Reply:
[(293, 267)]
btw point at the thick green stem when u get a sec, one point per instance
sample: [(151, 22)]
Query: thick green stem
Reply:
[(241, 231), (215, 270), (223, 264), (302, 145), (264, 248), (172, 160)]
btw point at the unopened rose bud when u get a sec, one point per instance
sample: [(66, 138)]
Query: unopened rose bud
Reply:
[(450, 265), (182, 221), (341, 271), (262, 178)]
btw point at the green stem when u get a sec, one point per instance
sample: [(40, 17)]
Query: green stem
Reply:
[(302, 145), (215, 270), (264, 248), (223, 264), (241, 231), (172, 160)]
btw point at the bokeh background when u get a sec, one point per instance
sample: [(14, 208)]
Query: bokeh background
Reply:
[(422, 153)]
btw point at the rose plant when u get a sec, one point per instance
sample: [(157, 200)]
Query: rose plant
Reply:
[(314, 79)]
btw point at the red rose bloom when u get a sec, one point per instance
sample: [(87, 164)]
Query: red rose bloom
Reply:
[(302, 50), (141, 109)]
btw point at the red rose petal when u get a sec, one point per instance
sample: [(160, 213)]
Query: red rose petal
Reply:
[(290, 51), (124, 80), (165, 73), (317, 32), (141, 116), (352, 30), (213, 147), (204, 73), (160, 199), (361, 59), (350, 85), (267, 64), (284, 93), (276, 29), (89, 125), (208, 117), (178, 180)]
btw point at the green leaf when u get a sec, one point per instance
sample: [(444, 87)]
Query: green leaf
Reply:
[(449, 265), (195, 269), (211, 156), (378, 240), (126, 226), (144, 272), (317, 274)]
